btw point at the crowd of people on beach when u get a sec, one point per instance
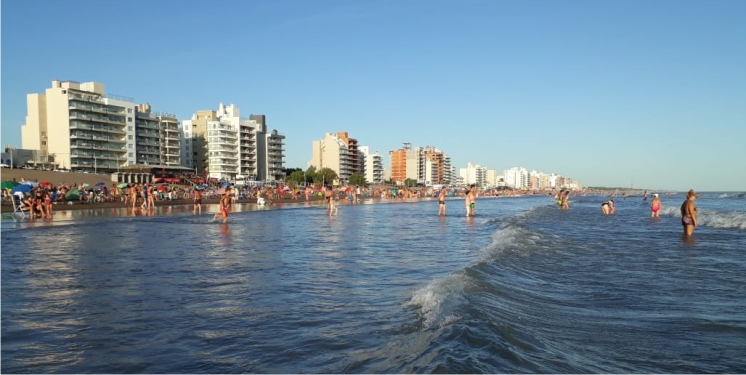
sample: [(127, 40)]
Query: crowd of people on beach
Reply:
[(40, 199)]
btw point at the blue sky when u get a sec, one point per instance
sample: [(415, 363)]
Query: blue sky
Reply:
[(607, 92)]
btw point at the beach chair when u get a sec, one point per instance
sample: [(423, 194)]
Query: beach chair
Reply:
[(18, 211)]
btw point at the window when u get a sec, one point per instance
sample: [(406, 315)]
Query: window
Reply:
[(129, 137), (129, 119), (129, 145), (129, 110), (130, 128), (132, 155), (43, 143)]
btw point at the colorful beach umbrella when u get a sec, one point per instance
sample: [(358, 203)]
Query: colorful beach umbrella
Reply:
[(8, 184), (101, 184), (45, 183), (30, 183), (122, 186), (86, 185), (22, 188)]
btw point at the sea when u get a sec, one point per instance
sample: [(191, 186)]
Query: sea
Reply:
[(390, 287)]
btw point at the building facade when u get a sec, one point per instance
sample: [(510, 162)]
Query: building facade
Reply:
[(372, 165), (335, 151), (80, 127), (221, 144), (426, 165)]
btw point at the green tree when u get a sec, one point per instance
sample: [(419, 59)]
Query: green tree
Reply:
[(325, 176), (410, 182), (358, 179), (295, 178)]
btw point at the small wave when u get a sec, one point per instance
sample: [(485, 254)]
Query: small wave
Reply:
[(714, 219), (732, 195), (438, 300)]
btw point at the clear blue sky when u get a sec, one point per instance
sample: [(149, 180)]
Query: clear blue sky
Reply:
[(607, 92)]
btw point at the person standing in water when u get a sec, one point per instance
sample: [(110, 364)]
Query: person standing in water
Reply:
[(655, 206), (689, 213), (225, 204), (442, 202)]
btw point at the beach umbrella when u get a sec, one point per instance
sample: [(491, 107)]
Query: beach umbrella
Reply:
[(30, 183), (45, 183), (122, 186), (226, 184), (162, 187), (86, 185), (101, 184), (201, 187), (22, 188), (220, 191), (8, 184)]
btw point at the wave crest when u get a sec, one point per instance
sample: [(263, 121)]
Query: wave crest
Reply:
[(710, 218)]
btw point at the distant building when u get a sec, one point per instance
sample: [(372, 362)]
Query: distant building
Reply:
[(337, 152), (157, 137), (426, 165), (373, 165)]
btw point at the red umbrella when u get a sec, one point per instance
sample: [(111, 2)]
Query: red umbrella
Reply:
[(162, 187), (45, 183)]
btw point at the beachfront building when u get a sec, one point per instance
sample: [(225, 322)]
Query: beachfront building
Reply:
[(474, 174), (157, 137), (80, 127), (335, 151), (223, 145), (426, 165), (372, 165), (270, 150), (516, 177)]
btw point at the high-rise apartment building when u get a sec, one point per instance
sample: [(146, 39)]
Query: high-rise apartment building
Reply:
[(338, 152), (157, 137), (427, 165), (270, 150), (373, 165), (224, 145), (474, 174), (80, 127)]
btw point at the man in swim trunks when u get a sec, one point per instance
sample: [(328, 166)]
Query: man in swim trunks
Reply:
[(197, 201), (689, 213), (655, 206), (442, 202), (472, 199)]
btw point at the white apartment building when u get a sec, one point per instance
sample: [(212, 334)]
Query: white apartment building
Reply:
[(516, 177), (224, 145), (373, 165), (332, 152), (81, 128), (474, 174)]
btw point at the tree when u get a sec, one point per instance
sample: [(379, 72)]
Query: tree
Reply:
[(295, 178), (358, 179), (325, 176), (410, 182)]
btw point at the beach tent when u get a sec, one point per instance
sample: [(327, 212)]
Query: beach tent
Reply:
[(72, 195)]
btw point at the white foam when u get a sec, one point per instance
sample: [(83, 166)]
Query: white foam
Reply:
[(438, 299), (710, 218)]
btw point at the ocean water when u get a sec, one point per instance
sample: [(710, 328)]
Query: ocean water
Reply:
[(380, 288)]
